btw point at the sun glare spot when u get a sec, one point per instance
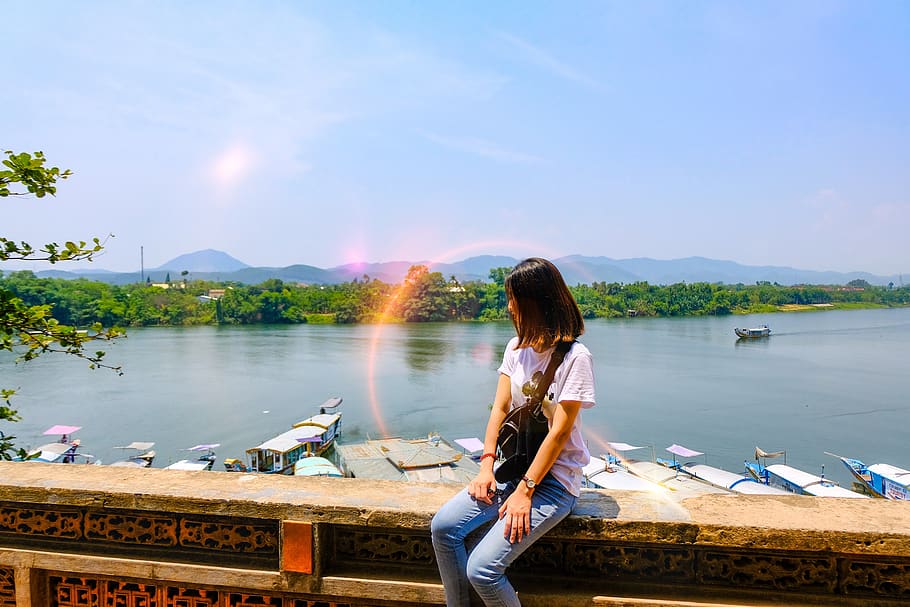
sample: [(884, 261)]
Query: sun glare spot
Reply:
[(232, 166)]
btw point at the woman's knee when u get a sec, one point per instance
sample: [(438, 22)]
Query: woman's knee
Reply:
[(483, 573), (440, 528)]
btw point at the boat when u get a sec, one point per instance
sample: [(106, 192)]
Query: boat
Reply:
[(430, 460), (63, 451), (738, 483), (879, 480), (205, 461), (717, 477), (794, 480), (605, 472), (316, 466), (762, 331), (141, 458), (232, 464), (310, 437), (615, 471)]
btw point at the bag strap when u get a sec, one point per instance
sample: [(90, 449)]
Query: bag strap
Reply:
[(559, 354)]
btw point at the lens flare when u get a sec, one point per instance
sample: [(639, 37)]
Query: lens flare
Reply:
[(385, 315)]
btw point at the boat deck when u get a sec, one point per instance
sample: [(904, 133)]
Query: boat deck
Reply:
[(420, 460)]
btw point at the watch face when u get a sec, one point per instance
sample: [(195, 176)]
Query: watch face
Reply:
[(531, 484)]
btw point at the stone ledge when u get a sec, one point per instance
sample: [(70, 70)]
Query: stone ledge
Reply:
[(370, 541), (866, 527)]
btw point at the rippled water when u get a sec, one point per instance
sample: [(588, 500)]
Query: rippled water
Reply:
[(826, 381)]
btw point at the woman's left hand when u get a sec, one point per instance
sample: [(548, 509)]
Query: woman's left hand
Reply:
[(517, 512)]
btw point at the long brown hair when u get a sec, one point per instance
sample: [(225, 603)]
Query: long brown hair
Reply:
[(543, 310)]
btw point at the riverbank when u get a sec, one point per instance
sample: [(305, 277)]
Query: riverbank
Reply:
[(817, 307)]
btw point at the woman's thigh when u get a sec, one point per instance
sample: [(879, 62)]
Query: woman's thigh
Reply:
[(549, 505)]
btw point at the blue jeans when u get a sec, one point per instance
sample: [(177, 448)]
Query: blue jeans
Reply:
[(485, 567)]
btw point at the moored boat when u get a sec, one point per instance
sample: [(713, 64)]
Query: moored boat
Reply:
[(613, 471), (204, 462), (316, 466), (794, 480), (310, 437), (762, 331), (142, 455), (717, 477), (63, 451), (879, 480), (429, 459), (738, 483)]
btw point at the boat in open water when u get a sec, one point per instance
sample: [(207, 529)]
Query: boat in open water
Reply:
[(311, 437), (794, 480), (879, 480), (755, 332)]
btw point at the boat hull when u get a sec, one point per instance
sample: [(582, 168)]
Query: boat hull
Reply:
[(752, 333)]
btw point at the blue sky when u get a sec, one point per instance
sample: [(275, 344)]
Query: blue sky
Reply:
[(767, 133)]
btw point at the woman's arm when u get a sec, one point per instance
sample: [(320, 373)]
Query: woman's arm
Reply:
[(517, 509), (483, 485)]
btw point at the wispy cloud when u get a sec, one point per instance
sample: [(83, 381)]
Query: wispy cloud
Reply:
[(484, 148), (546, 61)]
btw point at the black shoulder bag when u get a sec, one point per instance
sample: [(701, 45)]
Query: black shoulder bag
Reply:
[(525, 427)]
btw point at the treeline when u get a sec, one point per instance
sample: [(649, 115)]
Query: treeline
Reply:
[(423, 296)]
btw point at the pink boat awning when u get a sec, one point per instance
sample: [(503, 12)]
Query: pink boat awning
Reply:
[(60, 429), (683, 451), (470, 444)]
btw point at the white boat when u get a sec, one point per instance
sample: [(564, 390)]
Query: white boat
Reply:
[(64, 451), (717, 477), (316, 466), (615, 471), (308, 438), (204, 462), (737, 483), (602, 472), (794, 480), (880, 480), (142, 455), (755, 332)]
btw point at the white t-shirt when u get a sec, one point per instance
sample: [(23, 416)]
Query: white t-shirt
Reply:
[(573, 381)]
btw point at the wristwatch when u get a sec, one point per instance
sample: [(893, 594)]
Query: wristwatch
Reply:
[(529, 482)]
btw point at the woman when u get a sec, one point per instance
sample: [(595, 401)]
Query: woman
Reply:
[(544, 313)]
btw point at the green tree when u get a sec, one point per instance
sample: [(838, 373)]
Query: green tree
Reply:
[(31, 330)]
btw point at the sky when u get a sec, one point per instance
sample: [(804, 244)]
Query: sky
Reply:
[(325, 133)]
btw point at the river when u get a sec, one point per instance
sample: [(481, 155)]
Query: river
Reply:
[(824, 381)]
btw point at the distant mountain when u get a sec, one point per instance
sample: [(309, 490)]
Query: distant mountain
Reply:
[(577, 269), (208, 260)]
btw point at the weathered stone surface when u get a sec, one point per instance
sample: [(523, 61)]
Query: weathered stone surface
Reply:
[(371, 540)]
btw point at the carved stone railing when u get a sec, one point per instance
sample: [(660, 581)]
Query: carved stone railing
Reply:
[(80, 536)]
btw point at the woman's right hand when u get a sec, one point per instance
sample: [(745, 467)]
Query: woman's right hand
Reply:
[(483, 486)]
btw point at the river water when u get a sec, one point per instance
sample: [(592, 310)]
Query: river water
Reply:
[(824, 381)]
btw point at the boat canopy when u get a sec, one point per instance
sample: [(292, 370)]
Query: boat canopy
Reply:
[(624, 447), (61, 429), (892, 473), (810, 483), (304, 431), (470, 444), (140, 446), (683, 451), (188, 465)]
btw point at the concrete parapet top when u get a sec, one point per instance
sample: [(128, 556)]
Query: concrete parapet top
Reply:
[(872, 526)]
